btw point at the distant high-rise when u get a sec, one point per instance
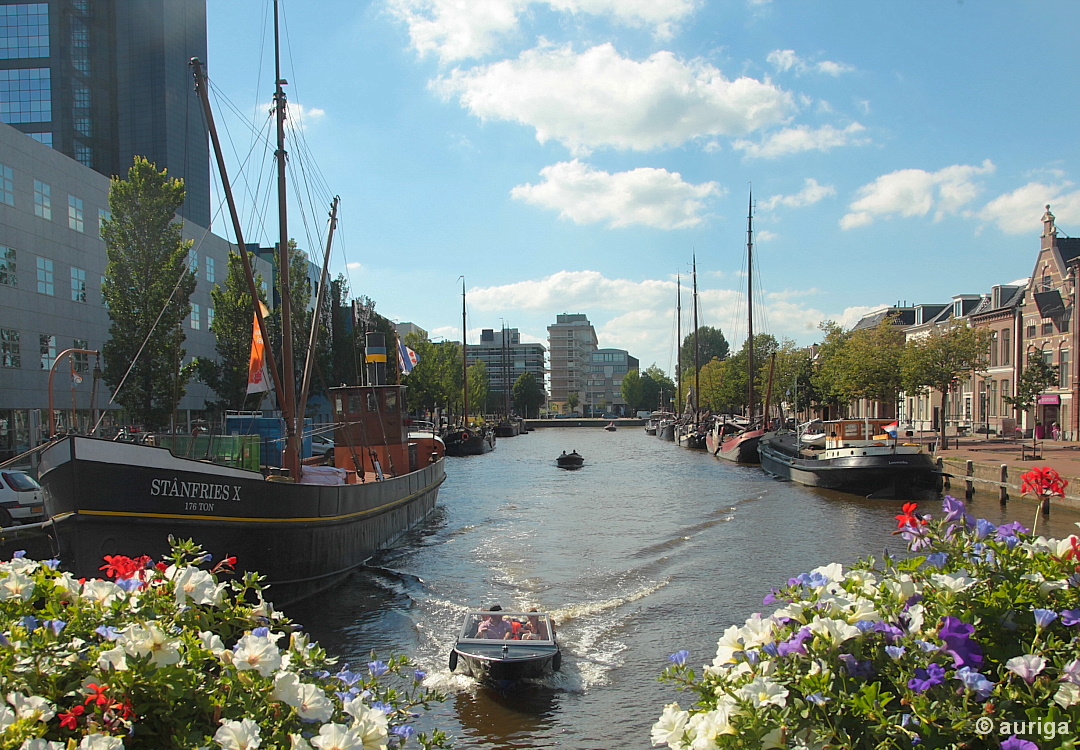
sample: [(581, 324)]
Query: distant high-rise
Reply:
[(571, 342), (103, 81)]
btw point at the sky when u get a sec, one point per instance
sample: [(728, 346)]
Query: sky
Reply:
[(577, 156)]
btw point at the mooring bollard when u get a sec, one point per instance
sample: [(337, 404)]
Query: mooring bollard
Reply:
[(969, 482), (1003, 489), (941, 471)]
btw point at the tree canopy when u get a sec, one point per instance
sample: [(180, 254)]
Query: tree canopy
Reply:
[(528, 395), (711, 345), (147, 289)]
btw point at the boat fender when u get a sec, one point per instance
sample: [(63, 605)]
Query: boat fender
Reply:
[(556, 661), (464, 436), (453, 660)]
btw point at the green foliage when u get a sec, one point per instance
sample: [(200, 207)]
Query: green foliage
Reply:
[(633, 390), (657, 388), (147, 276), (734, 390), (1038, 375), (572, 400), (232, 329), (528, 395), (436, 379), (951, 648), (828, 378), (173, 656), (477, 380), (711, 344)]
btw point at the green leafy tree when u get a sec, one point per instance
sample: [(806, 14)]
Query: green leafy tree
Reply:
[(1038, 375), (657, 388), (477, 379), (942, 358), (711, 345), (734, 389), (436, 380), (868, 365), (528, 395), (572, 400), (232, 328), (711, 378), (828, 377), (633, 390), (147, 276)]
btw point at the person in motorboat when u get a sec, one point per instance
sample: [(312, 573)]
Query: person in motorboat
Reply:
[(533, 629), (494, 626)]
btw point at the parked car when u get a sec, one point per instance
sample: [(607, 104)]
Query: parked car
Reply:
[(321, 445), (21, 499)]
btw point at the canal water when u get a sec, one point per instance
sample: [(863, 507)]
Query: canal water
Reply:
[(648, 549)]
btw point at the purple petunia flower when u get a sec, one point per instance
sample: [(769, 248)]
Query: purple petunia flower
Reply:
[(925, 679), (817, 699), (891, 632), (377, 668), (349, 678), (975, 682), (419, 675), (52, 563), (386, 708), (1015, 743), (1044, 617), (983, 529), (1070, 617), (1027, 666), (794, 645), (955, 510), (1013, 528), (965, 651), (260, 632), (937, 559), (29, 622), (679, 657), (895, 652), (855, 668), (55, 626), (404, 731)]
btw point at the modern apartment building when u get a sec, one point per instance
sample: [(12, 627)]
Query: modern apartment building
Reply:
[(506, 359), (571, 342), (102, 81), (607, 368)]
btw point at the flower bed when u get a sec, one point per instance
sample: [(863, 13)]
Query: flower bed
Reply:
[(167, 655), (969, 643)]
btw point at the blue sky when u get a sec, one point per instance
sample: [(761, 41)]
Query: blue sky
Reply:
[(574, 155)]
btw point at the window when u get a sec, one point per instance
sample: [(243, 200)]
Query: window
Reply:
[(992, 398), (84, 154), (44, 138), (80, 361), (1047, 327), (993, 348), (7, 185), (48, 351), (210, 270), (24, 31), (209, 318), (9, 348), (42, 200), (195, 324), (78, 284), (45, 276), (27, 95), (1031, 331), (1004, 404), (75, 213), (8, 276), (1006, 348), (193, 261), (1063, 368), (102, 217)]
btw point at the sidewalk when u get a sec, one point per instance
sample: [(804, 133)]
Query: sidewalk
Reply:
[(989, 455)]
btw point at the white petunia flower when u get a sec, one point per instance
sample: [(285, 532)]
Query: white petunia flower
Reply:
[(102, 592), (1068, 694), (40, 744), (337, 737), (670, 728), (762, 692), (953, 582), (143, 640), (211, 642), (16, 585), (115, 658), (238, 735), (29, 707), (833, 630), (730, 643), (101, 742), (833, 571), (757, 631), (257, 652), (196, 585)]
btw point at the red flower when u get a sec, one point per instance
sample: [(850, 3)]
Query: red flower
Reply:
[(97, 694), (121, 566), (1043, 482), (908, 517), (71, 718)]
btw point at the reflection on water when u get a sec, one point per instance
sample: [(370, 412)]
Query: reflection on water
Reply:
[(647, 549)]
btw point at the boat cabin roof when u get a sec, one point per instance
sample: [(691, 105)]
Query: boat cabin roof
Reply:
[(518, 620)]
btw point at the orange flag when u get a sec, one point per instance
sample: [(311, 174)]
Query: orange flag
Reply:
[(258, 376)]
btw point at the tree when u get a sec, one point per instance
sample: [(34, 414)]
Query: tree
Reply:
[(734, 389), (1037, 376), (942, 358), (633, 390), (528, 395), (711, 345), (147, 276), (572, 401), (232, 328), (711, 378), (477, 379), (868, 364), (436, 379), (657, 388), (828, 377)]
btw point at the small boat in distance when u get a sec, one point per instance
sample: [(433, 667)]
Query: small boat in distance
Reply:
[(572, 460), (493, 645), (610, 427)]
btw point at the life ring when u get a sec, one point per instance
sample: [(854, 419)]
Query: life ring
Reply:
[(453, 660), (463, 437)]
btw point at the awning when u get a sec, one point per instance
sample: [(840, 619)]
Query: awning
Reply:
[(1050, 398)]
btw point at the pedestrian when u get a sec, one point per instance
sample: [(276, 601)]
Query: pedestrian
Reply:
[(1055, 430)]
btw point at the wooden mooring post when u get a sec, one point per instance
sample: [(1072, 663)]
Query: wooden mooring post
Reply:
[(969, 481), (1003, 488)]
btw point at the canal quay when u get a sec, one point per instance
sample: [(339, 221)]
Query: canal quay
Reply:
[(648, 549)]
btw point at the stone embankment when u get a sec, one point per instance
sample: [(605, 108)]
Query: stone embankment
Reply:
[(995, 466)]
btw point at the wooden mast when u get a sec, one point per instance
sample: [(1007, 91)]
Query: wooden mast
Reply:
[(697, 363), (750, 310), (678, 345), (464, 359)]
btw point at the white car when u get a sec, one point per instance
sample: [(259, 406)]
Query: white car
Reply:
[(21, 499), (320, 445)]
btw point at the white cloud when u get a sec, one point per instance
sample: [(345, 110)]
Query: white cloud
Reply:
[(915, 192), (644, 196), (786, 60), (599, 98), (811, 193), (1021, 211), (454, 30), (802, 138)]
